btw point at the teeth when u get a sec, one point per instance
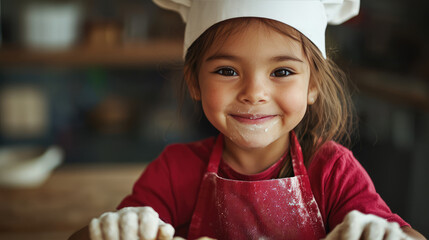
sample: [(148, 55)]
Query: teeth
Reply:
[(254, 117)]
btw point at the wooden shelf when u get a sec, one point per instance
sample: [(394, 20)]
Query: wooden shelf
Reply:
[(136, 54), (396, 88)]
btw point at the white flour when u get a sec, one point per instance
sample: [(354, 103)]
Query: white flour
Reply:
[(130, 223)]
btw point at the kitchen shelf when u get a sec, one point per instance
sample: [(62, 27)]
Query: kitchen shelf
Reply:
[(148, 53), (397, 88)]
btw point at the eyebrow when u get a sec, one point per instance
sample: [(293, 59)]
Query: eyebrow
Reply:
[(280, 58), (221, 56), (283, 58)]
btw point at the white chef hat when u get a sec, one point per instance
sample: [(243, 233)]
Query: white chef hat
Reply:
[(310, 17)]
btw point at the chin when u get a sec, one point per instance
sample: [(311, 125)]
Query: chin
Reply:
[(251, 141)]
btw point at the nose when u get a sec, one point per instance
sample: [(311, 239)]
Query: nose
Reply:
[(254, 90)]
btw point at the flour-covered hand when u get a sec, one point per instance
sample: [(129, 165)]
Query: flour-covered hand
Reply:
[(357, 225), (131, 223)]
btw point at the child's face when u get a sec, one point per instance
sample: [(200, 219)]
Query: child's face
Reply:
[(255, 86)]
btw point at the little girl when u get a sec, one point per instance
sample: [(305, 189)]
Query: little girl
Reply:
[(260, 71)]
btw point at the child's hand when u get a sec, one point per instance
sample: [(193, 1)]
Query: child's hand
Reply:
[(131, 223), (357, 225)]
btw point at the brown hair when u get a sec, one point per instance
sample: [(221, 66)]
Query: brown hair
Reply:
[(329, 118)]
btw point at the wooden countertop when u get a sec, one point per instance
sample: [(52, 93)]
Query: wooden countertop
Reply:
[(66, 202)]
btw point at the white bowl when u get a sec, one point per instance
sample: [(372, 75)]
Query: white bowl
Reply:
[(27, 166)]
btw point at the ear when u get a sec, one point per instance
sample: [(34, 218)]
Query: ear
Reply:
[(312, 95)]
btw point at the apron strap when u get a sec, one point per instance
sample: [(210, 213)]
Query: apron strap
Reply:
[(216, 155), (296, 155)]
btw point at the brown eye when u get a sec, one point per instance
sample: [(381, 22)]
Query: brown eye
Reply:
[(281, 73), (226, 72)]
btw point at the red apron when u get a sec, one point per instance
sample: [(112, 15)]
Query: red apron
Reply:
[(269, 209)]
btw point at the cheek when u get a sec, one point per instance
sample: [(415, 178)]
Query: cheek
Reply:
[(293, 102), (210, 103), (209, 97), (212, 99)]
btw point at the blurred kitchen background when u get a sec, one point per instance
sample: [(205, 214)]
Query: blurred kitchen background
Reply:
[(90, 89)]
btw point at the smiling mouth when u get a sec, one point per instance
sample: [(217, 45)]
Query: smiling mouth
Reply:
[(252, 118)]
